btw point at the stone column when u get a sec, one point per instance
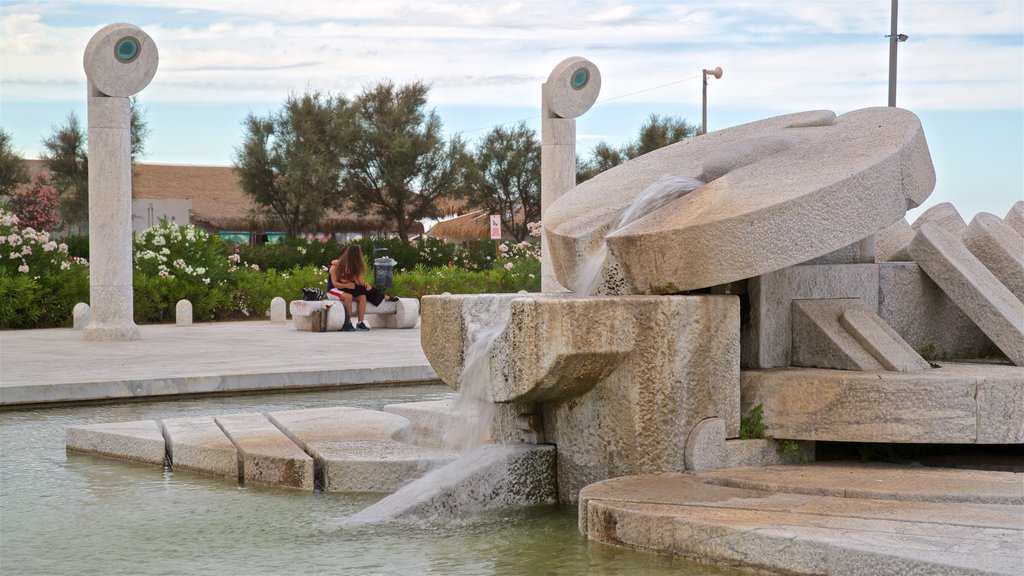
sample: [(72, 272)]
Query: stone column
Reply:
[(570, 91), (120, 60)]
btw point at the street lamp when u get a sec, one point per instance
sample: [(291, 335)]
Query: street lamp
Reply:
[(894, 39), (717, 73)]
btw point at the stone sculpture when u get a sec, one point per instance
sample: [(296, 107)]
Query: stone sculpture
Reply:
[(120, 60)]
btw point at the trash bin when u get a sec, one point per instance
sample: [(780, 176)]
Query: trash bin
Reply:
[(383, 269)]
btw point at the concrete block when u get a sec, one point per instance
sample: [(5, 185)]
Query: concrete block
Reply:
[(892, 243), (80, 315), (820, 340), (491, 477), (1001, 408), (139, 441), (1015, 217), (930, 406), (973, 288), (922, 314), (405, 314), (197, 444), (999, 248), (705, 446), (278, 312), (860, 252), (826, 187), (183, 313), (891, 351), (767, 337), (943, 216), (268, 456)]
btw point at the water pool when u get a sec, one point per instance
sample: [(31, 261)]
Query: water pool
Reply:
[(75, 514)]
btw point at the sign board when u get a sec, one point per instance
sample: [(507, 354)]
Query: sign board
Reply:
[(495, 227)]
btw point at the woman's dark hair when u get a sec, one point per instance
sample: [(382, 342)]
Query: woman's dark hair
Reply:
[(351, 263)]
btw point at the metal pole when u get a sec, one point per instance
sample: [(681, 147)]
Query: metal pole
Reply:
[(704, 105), (893, 40)]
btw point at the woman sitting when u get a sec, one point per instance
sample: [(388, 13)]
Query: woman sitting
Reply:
[(346, 280)]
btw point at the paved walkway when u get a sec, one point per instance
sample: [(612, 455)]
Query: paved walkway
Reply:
[(57, 365)]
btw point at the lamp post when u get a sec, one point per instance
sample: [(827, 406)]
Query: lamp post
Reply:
[(894, 39), (717, 73)]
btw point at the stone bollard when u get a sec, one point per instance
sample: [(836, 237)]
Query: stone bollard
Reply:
[(80, 314), (278, 311), (183, 313)]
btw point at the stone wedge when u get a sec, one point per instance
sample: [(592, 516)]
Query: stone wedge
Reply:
[(999, 248), (268, 456), (1015, 217), (197, 444), (820, 340), (944, 216), (888, 348), (892, 242), (139, 441), (973, 288)]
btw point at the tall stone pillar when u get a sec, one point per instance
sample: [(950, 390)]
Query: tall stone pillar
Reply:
[(571, 90), (120, 60)]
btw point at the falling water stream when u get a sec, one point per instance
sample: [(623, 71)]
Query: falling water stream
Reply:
[(658, 195)]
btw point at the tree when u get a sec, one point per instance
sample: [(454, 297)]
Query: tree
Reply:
[(67, 159), (38, 207), (507, 177), (656, 132), (12, 166), (397, 162), (290, 162)]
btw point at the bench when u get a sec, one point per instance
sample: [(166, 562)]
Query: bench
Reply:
[(402, 314)]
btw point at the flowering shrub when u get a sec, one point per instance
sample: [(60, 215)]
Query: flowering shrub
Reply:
[(38, 279), (39, 207)]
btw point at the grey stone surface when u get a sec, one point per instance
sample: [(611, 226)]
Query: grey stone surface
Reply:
[(891, 351), (944, 216), (892, 243), (767, 337), (761, 452), (402, 314), (268, 456), (221, 357), (139, 441), (921, 313), (183, 313), (278, 310), (431, 420), (969, 284), (563, 99), (821, 341), (838, 185), (860, 252), (197, 444), (1015, 217), (999, 248), (705, 445), (80, 315), (952, 404), (493, 476), (808, 533), (111, 76)]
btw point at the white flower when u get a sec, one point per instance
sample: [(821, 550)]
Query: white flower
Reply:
[(14, 239), (159, 241), (179, 263), (23, 268), (26, 250), (255, 267), (503, 247), (165, 274), (63, 247), (15, 255), (200, 271), (206, 280), (234, 257), (165, 251), (49, 246), (302, 250), (65, 265)]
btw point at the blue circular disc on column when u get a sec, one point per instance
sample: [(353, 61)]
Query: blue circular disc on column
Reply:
[(579, 79), (127, 49)]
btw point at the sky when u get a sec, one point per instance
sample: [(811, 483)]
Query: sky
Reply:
[(961, 70)]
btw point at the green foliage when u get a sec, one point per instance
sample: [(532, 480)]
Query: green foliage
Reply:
[(398, 162), (12, 166), (790, 451), (506, 179), (751, 425), (291, 163), (656, 132), (78, 246)]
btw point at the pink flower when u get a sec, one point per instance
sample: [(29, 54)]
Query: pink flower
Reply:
[(23, 268), (509, 266)]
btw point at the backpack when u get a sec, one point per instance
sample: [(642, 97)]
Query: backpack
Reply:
[(312, 294)]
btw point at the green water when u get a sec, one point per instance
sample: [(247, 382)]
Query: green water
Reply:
[(74, 514)]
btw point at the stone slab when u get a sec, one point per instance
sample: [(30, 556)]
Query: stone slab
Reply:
[(792, 194), (999, 248), (798, 533), (860, 252), (138, 441), (269, 457), (767, 337), (430, 420), (1015, 217), (760, 452), (924, 316), (943, 216), (969, 284), (955, 403), (491, 477), (881, 341), (197, 444), (892, 243), (821, 341)]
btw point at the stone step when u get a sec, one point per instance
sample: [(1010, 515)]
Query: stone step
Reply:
[(268, 456), (138, 441), (811, 533), (957, 403), (197, 444)]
